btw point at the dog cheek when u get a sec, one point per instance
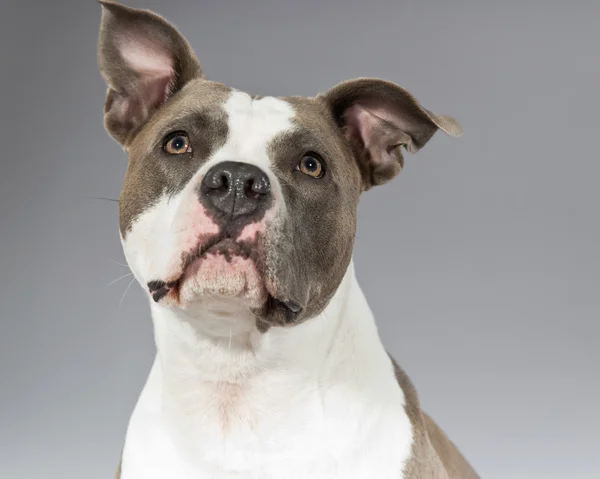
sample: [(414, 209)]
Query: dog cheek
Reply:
[(284, 276), (148, 243), (161, 238), (133, 258)]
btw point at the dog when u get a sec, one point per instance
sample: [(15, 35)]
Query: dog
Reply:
[(237, 216)]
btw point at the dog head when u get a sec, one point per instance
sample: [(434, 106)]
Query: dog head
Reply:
[(234, 199)]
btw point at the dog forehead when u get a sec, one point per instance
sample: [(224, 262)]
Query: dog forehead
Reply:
[(254, 122), (268, 130)]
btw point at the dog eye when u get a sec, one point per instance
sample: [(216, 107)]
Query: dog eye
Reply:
[(311, 165), (177, 144)]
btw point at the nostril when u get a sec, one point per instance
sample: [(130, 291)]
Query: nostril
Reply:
[(250, 189), (224, 183), (217, 182), (256, 187), (261, 185)]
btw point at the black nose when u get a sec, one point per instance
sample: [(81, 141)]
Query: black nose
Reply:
[(235, 189)]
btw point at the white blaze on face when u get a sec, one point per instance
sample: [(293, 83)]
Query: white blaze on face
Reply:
[(253, 125), (176, 225), (158, 238)]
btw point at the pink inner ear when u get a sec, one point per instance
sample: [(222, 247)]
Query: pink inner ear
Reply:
[(382, 111), (145, 56), (361, 123), (155, 68)]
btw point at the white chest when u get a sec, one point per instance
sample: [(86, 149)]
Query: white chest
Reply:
[(316, 401), (320, 432)]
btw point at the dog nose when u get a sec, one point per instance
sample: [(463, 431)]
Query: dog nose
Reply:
[(235, 189)]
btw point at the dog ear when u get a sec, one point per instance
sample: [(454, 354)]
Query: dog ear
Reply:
[(144, 61), (378, 118)]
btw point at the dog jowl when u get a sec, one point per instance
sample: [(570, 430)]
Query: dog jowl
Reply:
[(238, 215)]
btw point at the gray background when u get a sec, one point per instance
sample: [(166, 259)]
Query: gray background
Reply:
[(480, 261)]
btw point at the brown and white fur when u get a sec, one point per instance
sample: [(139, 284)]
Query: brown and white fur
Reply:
[(238, 217)]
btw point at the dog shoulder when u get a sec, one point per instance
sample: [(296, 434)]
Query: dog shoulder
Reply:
[(454, 462), (433, 454)]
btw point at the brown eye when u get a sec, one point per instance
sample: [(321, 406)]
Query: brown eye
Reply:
[(178, 144), (312, 166)]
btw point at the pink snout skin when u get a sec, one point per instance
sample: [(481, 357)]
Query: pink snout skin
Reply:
[(214, 274), (250, 231)]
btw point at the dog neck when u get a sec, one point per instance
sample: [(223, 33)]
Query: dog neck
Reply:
[(197, 359), (211, 391), (225, 346)]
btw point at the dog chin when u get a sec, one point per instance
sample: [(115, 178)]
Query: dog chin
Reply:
[(222, 281)]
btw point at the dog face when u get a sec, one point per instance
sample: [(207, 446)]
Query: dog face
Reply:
[(235, 200)]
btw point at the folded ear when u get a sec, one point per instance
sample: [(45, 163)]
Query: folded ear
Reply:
[(378, 118), (144, 60)]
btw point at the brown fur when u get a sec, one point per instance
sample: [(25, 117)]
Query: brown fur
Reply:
[(324, 210), (434, 456), (380, 158), (197, 110)]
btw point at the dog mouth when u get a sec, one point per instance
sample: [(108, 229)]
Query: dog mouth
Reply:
[(220, 245), (228, 249), (223, 245)]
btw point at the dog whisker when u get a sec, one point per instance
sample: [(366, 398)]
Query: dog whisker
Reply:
[(116, 262), (126, 289), (100, 198), (119, 279)]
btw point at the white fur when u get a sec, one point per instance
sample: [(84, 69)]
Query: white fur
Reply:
[(318, 400)]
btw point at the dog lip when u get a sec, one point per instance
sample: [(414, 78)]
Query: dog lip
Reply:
[(291, 308), (230, 248), (215, 241), (202, 250), (222, 244), (159, 289)]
